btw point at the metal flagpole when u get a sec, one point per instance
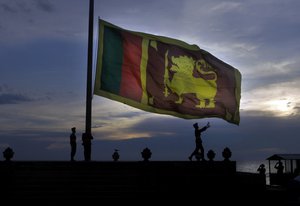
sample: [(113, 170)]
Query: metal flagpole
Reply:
[(88, 117)]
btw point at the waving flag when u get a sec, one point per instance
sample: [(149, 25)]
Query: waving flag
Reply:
[(164, 75)]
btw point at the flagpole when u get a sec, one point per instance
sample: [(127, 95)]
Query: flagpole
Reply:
[(88, 117)]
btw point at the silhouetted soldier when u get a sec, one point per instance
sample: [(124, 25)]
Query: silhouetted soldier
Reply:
[(199, 150), (87, 146), (261, 169), (279, 166), (73, 143)]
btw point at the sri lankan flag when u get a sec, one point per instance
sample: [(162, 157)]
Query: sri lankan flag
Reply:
[(164, 75)]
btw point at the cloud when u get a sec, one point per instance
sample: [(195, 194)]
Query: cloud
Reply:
[(243, 33), (7, 8), (225, 7), (57, 146), (45, 5), (14, 7), (280, 99), (26, 6), (57, 113), (3, 146), (274, 69), (13, 98), (40, 19), (9, 95), (120, 128), (117, 121), (272, 150)]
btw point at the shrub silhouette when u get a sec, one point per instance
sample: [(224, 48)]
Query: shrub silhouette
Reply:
[(211, 155), (226, 154), (146, 154)]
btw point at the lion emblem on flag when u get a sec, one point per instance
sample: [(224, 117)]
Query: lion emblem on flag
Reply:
[(184, 82)]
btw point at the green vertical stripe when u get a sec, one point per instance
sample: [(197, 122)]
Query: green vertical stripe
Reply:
[(112, 60)]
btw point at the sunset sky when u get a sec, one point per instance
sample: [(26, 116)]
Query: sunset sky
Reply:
[(43, 62)]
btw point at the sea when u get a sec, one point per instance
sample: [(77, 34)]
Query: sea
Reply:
[(251, 167)]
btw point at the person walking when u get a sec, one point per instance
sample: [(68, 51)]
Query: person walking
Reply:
[(199, 150), (73, 143)]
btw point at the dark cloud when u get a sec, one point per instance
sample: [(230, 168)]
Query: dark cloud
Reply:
[(4, 88), (297, 109), (9, 95), (45, 5), (24, 7), (13, 98), (7, 8), (14, 7), (27, 6)]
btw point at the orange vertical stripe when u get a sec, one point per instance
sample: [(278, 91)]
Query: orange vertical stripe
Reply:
[(131, 86)]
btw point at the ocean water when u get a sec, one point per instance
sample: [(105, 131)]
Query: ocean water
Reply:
[(251, 167)]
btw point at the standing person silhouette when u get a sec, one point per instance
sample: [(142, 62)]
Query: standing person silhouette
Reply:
[(261, 169), (279, 166), (73, 143), (199, 147)]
